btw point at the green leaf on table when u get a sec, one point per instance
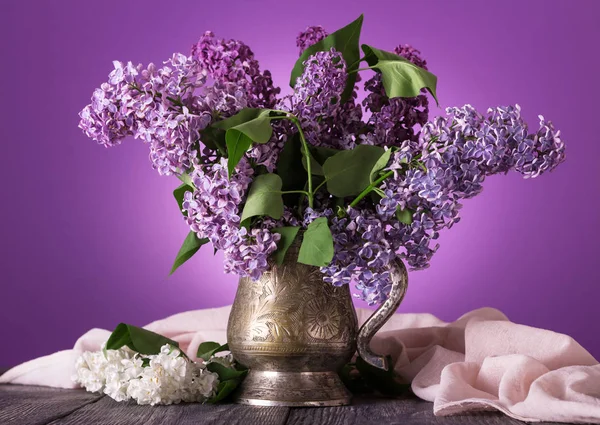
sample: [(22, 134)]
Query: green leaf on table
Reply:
[(229, 377), (404, 215), (349, 172), (224, 389), (352, 379), (346, 41), (179, 195), (138, 339), (225, 373), (208, 349), (380, 165), (250, 125), (400, 77), (387, 382), (191, 245), (288, 234), (317, 244), (264, 198)]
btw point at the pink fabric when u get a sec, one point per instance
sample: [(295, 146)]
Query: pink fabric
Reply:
[(482, 361)]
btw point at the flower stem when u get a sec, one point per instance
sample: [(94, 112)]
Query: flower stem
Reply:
[(352, 71), (370, 187), (320, 186), (310, 193), (285, 192)]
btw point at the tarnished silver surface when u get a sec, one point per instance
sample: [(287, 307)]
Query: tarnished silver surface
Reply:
[(268, 388), (399, 277), (294, 332)]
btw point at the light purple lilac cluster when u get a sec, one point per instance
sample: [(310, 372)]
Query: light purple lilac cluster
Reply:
[(394, 121), (325, 120), (213, 212), (233, 62), (310, 36), (316, 97), (457, 152), (152, 104), (168, 108), (434, 164)]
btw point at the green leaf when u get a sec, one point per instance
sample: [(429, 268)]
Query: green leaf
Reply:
[(288, 234), (247, 126), (237, 146), (225, 373), (186, 179), (404, 216), (380, 165), (400, 77), (317, 244), (214, 138), (179, 194), (290, 169), (322, 153), (346, 41), (387, 382), (191, 245), (224, 389), (352, 379), (379, 192), (349, 172), (318, 155), (315, 168), (138, 339), (208, 349), (264, 197)]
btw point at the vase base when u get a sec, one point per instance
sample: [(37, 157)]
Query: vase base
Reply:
[(269, 388)]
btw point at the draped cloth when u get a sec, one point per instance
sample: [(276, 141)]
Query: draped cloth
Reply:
[(482, 361)]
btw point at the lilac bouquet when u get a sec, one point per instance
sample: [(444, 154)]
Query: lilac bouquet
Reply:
[(366, 182)]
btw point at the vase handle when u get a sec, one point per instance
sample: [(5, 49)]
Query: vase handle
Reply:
[(399, 277)]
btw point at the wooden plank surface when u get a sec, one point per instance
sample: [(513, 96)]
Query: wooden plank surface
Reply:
[(27, 405), (109, 412), (404, 411)]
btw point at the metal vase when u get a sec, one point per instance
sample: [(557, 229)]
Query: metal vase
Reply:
[(294, 332)]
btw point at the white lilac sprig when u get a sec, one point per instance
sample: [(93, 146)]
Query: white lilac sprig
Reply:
[(164, 378), (135, 363)]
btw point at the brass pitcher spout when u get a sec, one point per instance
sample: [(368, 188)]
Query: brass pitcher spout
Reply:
[(399, 277)]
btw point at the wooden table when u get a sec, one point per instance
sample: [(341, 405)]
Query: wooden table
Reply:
[(28, 405)]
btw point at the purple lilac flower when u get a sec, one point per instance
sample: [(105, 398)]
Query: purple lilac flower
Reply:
[(316, 98), (470, 147), (435, 164), (363, 254), (149, 104), (110, 117), (213, 213), (310, 36), (233, 61), (395, 120)]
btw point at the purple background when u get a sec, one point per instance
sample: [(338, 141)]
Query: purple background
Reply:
[(89, 234)]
